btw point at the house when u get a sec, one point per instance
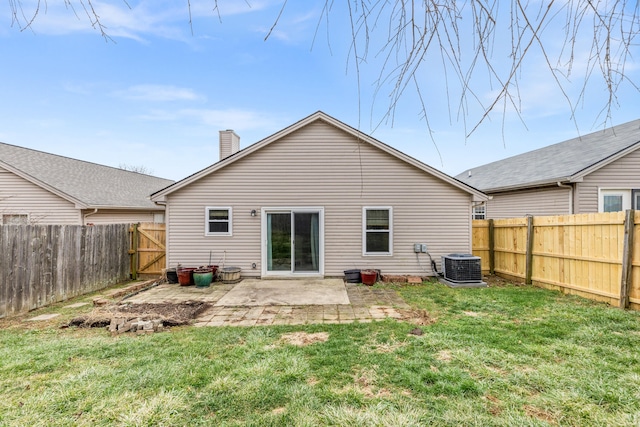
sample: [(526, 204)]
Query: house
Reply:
[(43, 188), (315, 199), (598, 172)]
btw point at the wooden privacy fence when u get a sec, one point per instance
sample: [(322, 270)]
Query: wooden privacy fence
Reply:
[(148, 249), (593, 255), (41, 264)]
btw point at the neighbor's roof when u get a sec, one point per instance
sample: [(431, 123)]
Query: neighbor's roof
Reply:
[(86, 184), (567, 161), (319, 115)]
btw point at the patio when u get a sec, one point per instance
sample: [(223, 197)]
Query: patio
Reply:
[(254, 302)]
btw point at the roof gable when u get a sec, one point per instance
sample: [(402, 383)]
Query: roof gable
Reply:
[(567, 161), (159, 196), (87, 185)]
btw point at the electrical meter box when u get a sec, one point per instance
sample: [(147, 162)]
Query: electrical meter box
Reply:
[(420, 247)]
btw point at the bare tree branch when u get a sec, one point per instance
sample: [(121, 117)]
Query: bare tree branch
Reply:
[(403, 37)]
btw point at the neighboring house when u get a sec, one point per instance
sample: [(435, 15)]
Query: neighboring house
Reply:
[(43, 188), (315, 199), (598, 172)]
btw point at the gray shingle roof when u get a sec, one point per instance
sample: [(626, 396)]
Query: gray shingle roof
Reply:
[(563, 161), (89, 184)]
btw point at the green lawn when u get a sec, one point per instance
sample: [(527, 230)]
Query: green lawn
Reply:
[(511, 356)]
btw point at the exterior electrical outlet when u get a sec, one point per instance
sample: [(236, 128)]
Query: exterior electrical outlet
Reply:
[(420, 247)]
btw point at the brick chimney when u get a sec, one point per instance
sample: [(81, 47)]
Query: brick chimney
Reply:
[(229, 143)]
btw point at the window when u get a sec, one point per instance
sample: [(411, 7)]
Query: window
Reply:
[(612, 203), (15, 219), (218, 221), (635, 199), (479, 212), (377, 224), (614, 200)]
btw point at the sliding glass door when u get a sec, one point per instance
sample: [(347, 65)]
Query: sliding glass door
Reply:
[(293, 241)]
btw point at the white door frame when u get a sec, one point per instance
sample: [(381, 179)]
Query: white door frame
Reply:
[(263, 231)]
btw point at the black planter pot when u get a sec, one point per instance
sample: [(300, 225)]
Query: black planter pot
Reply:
[(172, 275)]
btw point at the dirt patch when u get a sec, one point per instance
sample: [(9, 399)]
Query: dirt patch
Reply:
[(416, 317), (171, 314), (365, 382), (494, 281), (304, 338), (494, 405), (388, 348), (540, 414), (444, 355)]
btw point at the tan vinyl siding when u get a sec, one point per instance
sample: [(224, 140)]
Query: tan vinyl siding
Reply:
[(19, 196), (545, 201), (623, 173), (119, 216), (321, 166)]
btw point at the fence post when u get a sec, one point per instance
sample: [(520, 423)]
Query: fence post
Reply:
[(529, 256), (492, 257), (133, 251), (627, 254)]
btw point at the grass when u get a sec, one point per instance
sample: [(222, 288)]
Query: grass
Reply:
[(509, 355)]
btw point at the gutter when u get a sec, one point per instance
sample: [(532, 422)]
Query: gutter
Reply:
[(529, 185), (84, 217)]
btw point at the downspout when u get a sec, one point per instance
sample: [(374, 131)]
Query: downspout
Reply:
[(84, 217), (570, 187)]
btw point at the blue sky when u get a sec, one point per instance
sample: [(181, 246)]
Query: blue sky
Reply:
[(157, 94)]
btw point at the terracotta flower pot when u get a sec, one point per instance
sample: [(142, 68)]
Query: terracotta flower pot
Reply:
[(185, 276), (369, 277)]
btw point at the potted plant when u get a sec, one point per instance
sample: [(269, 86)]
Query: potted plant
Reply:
[(369, 277)]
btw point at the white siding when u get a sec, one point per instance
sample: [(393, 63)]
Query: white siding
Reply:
[(19, 196), (623, 173), (545, 201), (118, 216), (321, 166)]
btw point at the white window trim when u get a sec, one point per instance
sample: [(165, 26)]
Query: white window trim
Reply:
[(206, 220), (364, 230), (484, 211), (624, 192)]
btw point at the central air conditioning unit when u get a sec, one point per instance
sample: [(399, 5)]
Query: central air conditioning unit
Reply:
[(462, 268)]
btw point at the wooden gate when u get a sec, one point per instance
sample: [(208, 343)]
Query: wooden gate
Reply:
[(148, 249)]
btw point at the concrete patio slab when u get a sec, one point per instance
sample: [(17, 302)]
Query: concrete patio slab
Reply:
[(255, 292)]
